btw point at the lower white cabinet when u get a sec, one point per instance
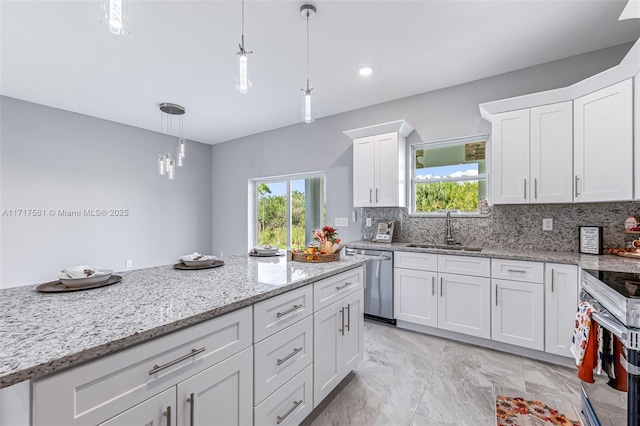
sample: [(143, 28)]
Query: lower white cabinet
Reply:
[(463, 304), (290, 404), (561, 301), (518, 313), (220, 395), (157, 411), (415, 297), (338, 343)]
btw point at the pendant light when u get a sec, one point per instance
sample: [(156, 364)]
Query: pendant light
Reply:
[(307, 11), (166, 163), (115, 16), (243, 85)]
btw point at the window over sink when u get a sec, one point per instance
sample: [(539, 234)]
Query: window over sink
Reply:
[(286, 210), (448, 175)]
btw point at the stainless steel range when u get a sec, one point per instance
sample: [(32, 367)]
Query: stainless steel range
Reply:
[(616, 297)]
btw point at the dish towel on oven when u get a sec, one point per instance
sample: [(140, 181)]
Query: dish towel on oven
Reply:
[(582, 332)]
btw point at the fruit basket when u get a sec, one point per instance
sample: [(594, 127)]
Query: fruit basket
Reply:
[(316, 256), (328, 249)]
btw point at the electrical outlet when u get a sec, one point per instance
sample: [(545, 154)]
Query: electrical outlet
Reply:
[(368, 221), (354, 218), (342, 221), (547, 224), (129, 263)]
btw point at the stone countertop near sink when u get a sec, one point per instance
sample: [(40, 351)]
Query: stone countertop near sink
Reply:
[(44, 332), (604, 262)]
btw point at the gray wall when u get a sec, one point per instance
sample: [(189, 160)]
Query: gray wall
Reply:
[(446, 113), (54, 159)]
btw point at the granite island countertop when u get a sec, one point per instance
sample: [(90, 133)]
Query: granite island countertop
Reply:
[(44, 332), (604, 262)]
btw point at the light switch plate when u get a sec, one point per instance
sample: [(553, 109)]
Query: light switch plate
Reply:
[(547, 224), (368, 221), (342, 221), (353, 216)]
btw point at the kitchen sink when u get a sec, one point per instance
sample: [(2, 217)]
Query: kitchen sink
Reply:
[(444, 247)]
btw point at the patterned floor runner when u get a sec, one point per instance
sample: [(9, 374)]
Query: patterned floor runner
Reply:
[(520, 412)]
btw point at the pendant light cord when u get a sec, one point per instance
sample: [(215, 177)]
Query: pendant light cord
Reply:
[(307, 50), (242, 26)]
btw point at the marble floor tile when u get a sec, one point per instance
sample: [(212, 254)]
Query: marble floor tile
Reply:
[(553, 381)]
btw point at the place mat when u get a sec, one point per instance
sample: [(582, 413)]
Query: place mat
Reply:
[(255, 254), (58, 287), (182, 266), (519, 411)]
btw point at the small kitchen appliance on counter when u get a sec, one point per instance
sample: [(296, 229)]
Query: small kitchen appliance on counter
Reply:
[(616, 298)]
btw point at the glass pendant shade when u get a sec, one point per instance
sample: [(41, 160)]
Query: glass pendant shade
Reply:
[(307, 113), (172, 170), (182, 148), (161, 169), (179, 158), (243, 84), (115, 16)]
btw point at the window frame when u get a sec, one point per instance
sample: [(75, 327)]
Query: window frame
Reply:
[(439, 144), (252, 228)]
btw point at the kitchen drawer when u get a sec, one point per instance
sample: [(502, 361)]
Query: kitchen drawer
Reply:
[(98, 390), (282, 356), (517, 270), (464, 265), (332, 289), (279, 312), (290, 404), (419, 261)]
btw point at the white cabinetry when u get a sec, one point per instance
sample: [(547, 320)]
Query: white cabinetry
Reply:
[(415, 297), (518, 313), (636, 133), (532, 155), (561, 300), (379, 164), (156, 411), (603, 144), (337, 331), (463, 304)]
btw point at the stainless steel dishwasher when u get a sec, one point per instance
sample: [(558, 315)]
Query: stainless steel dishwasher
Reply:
[(378, 284)]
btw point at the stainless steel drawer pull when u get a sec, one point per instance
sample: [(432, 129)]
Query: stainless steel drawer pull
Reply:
[(576, 185), (192, 409), (370, 195), (520, 271), (348, 325), (376, 195), (288, 311), (157, 367), (440, 286), (552, 274), (433, 286), (496, 295), (340, 287), (525, 189), (286, 358), (535, 188), (167, 414), (342, 329), (295, 405)]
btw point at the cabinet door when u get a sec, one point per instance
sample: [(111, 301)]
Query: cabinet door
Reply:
[(518, 313), (387, 171), (353, 339), (327, 350), (220, 395), (415, 298), (464, 304), (552, 153), (510, 157), (363, 171), (636, 137), (603, 145), (159, 410), (561, 300)]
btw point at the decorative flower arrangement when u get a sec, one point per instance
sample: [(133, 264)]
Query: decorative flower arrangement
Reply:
[(328, 238)]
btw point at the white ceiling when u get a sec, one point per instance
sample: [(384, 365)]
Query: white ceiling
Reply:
[(57, 54)]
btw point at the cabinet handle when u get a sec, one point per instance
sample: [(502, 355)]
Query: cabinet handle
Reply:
[(552, 274), (535, 188), (192, 409), (348, 317), (433, 286), (342, 329), (576, 189), (286, 358), (525, 189), (167, 414), (295, 405), (520, 271), (440, 286), (288, 311), (157, 367), (496, 294), (370, 196), (376, 195), (340, 287)]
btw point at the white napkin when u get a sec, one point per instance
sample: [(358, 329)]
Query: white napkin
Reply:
[(194, 255), (79, 271)]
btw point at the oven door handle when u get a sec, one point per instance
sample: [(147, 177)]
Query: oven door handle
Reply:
[(605, 320), (634, 370)]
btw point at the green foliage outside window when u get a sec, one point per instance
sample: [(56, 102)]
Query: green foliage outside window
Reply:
[(272, 218), (431, 197)]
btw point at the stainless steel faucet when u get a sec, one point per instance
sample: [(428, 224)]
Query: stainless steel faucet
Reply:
[(449, 238)]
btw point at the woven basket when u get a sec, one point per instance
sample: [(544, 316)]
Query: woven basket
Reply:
[(317, 258)]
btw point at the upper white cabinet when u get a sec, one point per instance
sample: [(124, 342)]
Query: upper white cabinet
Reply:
[(532, 155), (603, 144), (379, 164)]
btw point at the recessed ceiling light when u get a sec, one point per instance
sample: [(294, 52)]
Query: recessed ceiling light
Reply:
[(365, 70)]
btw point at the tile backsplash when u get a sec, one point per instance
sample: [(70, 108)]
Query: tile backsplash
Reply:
[(518, 226)]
